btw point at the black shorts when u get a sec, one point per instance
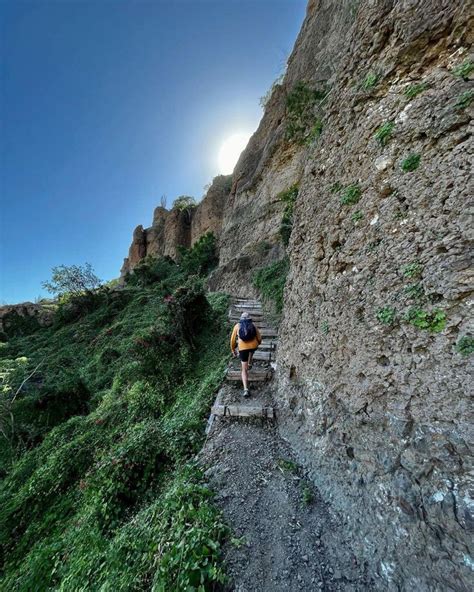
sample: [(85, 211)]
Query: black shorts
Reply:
[(244, 354)]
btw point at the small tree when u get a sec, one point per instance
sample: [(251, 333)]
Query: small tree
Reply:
[(73, 279)]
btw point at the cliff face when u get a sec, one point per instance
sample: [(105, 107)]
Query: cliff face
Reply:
[(373, 372), (174, 228), (373, 364)]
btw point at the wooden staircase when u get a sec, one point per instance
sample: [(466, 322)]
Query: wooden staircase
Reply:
[(261, 372)]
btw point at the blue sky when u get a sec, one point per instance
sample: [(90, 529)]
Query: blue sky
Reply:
[(107, 105)]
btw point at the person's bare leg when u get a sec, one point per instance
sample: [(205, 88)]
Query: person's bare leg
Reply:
[(250, 359), (245, 375)]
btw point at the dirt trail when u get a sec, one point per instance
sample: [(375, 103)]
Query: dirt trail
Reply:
[(281, 526)]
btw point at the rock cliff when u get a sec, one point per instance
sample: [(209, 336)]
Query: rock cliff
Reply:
[(174, 228), (373, 366)]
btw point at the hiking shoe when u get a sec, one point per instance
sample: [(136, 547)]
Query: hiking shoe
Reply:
[(246, 393)]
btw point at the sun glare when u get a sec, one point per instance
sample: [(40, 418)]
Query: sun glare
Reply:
[(230, 151)]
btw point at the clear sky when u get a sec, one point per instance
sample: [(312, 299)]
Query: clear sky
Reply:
[(108, 104)]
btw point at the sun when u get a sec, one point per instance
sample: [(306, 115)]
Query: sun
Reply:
[(230, 151)]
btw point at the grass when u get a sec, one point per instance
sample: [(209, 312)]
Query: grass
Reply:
[(411, 163), (386, 315), (384, 133), (99, 488), (413, 90), (303, 113), (270, 282), (307, 495), (415, 291), (433, 321), (287, 466), (465, 345), (351, 195), (356, 216), (324, 327)]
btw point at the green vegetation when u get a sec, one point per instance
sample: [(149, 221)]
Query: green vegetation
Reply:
[(370, 81), (288, 197), (434, 321), (386, 315), (464, 100), (307, 495), (184, 202), (413, 90), (99, 489), (266, 97), (384, 133), (465, 346), (270, 283), (324, 327), (72, 280), (412, 270), (303, 117), (415, 291), (464, 70), (411, 163), (356, 216), (351, 195), (287, 466), (336, 187)]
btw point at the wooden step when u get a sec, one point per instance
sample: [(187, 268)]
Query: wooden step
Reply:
[(260, 375), (244, 411), (264, 356)]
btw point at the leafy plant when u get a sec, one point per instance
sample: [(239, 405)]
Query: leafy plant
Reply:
[(384, 132), (288, 197), (386, 315), (184, 202), (434, 321), (465, 346), (238, 542), (411, 163), (325, 327), (303, 123), (464, 100), (351, 194), (413, 90), (464, 70), (411, 270), (370, 81), (336, 187), (356, 216)]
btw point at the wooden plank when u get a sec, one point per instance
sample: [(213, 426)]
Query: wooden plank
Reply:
[(243, 411), (263, 356), (254, 375)]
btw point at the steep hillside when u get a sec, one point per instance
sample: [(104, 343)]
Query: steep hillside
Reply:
[(100, 418)]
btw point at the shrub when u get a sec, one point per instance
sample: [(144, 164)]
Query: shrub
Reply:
[(356, 216), (302, 106), (270, 282), (370, 81), (413, 90), (411, 163), (386, 315), (411, 270), (288, 197), (351, 195), (184, 202), (74, 280), (201, 258), (464, 70), (465, 346), (464, 100), (384, 132), (434, 321)]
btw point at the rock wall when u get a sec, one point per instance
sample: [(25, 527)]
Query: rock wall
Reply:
[(174, 228), (25, 315), (373, 371)]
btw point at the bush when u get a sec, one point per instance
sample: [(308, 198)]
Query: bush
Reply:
[(201, 258), (411, 163), (351, 195), (434, 321)]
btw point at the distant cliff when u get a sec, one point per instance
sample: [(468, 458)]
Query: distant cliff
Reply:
[(179, 228)]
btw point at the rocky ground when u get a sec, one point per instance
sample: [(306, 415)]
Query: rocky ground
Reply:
[(278, 520)]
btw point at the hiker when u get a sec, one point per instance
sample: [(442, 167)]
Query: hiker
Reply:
[(246, 335)]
